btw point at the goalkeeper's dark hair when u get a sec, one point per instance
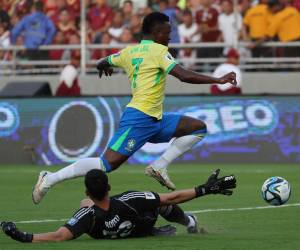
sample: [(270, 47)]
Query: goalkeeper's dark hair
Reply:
[(96, 183), (151, 20)]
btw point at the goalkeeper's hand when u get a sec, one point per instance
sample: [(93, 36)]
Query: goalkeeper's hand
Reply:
[(215, 185), (10, 229)]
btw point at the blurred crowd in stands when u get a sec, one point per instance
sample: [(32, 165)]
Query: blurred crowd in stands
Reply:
[(35, 23)]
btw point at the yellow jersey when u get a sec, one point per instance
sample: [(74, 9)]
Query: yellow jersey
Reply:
[(286, 25), (146, 65), (257, 19)]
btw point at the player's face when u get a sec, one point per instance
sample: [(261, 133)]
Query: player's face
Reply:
[(163, 34)]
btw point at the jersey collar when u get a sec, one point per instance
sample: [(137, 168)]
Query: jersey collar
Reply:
[(147, 41)]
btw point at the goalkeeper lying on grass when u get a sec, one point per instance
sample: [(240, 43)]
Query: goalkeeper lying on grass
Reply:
[(130, 214)]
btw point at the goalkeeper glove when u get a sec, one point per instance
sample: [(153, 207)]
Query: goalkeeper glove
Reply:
[(10, 229), (215, 185)]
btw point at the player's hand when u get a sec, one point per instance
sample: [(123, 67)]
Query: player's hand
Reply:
[(230, 77), (10, 229), (215, 185), (107, 72)]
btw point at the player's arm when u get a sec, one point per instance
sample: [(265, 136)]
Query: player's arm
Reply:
[(10, 229), (214, 185), (62, 234), (192, 77), (80, 223)]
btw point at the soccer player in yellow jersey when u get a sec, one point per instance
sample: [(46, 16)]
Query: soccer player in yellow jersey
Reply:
[(147, 65)]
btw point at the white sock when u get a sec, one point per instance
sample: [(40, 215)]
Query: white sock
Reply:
[(77, 169), (178, 147)]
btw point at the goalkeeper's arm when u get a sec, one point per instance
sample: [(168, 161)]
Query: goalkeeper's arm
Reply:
[(10, 229), (214, 185)]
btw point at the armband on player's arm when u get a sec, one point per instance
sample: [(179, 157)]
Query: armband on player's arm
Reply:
[(10, 229)]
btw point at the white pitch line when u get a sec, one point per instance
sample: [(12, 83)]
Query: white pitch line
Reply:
[(39, 221), (195, 212), (243, 208)]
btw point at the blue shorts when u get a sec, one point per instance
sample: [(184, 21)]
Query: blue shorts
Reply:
[(137, 128)]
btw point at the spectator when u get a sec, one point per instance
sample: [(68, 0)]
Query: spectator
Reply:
[(245, 5), (126, 36), (75, 40), (37, 30), (193, 5), (116, 30), (135, 27), (68, 81), (50, 7), (230, 65), (22, 8), (207, 20), (4, 42), (100, 53), (230, 25), (256, 23), (66, 25), (99, 17), (144, 11), (188, 33), (154, 4), (296, 4), (59, 39), (136, 4), (54, 10), (4, 17), (4, 36), (285, 24), (127, 9), (74, 7), (168, 7)]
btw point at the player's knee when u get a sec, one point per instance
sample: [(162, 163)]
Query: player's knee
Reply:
[(113, 159), (200, 128), (86, 203)]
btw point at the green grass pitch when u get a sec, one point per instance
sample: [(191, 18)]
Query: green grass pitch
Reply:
[(253, 229)]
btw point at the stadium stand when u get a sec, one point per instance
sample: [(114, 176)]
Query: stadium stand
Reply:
[(216, 26)]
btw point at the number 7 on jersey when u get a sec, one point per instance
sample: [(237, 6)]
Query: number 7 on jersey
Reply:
[(136, 62)]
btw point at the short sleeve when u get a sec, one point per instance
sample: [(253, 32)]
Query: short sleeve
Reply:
[(166, 62), (116, 59), (141, 201), (81, 222)]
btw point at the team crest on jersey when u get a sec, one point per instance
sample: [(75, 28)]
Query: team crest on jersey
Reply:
[(130, 145)]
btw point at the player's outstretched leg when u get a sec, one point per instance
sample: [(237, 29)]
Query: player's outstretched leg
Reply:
[(174, 213), (110, 161), (189, 132)]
